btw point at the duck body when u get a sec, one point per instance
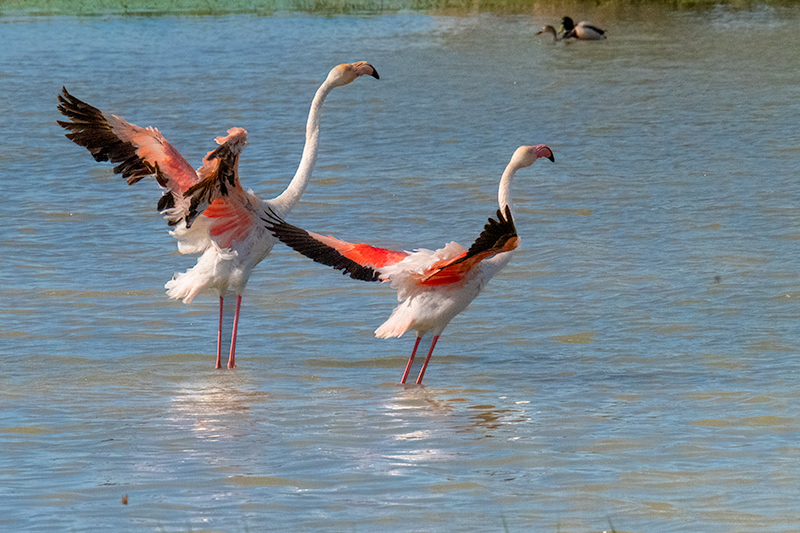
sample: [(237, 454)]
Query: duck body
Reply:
[(583, 31)]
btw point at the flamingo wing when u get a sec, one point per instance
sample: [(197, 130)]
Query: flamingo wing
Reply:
[(219, 179), (231, 221), (360, 261), (140, 152), (498, 236)]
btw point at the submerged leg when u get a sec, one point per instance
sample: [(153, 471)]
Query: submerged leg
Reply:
[(427, 359), (219, 335), (231, 362), (410, 360)]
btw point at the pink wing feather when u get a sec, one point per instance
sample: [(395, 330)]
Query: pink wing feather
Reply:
[(139, 152), (231, 221), (213, 190)]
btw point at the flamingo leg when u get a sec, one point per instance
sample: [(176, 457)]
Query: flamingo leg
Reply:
[(410, 360), (427, 359), (219, 335), (231, 362)]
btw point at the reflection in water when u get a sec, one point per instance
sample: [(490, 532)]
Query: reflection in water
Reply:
[(448, 405), (414, 397), (211, 411), (488, 418), (443, 414), (415, 402)]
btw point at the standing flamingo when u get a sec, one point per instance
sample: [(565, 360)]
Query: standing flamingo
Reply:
[(211, 214), (432, 286)]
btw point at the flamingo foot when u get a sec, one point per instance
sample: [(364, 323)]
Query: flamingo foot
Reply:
[(410, 360)]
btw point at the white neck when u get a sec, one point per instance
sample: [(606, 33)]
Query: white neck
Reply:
[(289, 198), (504, 191)]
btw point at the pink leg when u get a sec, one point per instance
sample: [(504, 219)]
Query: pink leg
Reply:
[(410, 360), (219, 335), (231, 362), (427, 359)]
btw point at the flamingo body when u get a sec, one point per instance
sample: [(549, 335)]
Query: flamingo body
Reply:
[(428, 308), (209, 211), (433, 286)]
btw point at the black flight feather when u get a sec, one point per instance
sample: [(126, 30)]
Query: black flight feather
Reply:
[(300, 241), (90, 129), (495, 234)]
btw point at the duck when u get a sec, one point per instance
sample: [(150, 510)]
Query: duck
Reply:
[(583, 31)]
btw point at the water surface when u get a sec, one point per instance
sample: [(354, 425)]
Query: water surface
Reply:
[(635, 365)]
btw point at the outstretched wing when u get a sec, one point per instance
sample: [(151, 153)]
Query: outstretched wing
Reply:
[(219, 176), (139, 152), (498, 236), (360, 261)]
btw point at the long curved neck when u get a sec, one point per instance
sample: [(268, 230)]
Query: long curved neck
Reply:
[(289, 198), (504, 191)]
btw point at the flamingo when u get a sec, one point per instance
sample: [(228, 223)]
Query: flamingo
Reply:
[(209, 211), (583, 31), (432, 286)]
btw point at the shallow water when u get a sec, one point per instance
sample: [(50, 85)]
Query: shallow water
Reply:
[(634, 367)]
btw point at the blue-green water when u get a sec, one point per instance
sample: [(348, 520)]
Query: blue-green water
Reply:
[(635, 366)]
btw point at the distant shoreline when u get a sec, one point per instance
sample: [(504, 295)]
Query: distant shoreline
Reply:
[(356, 7)]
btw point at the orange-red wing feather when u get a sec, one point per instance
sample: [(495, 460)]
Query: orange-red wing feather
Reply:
[(360, 261), (363, 254), (498, 236)]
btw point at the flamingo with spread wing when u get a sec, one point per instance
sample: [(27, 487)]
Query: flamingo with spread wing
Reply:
[(433, 286), (209, 211)]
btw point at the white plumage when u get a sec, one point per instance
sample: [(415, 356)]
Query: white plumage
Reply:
[(433, 286)]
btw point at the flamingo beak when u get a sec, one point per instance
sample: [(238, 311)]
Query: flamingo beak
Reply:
[(545, 151)]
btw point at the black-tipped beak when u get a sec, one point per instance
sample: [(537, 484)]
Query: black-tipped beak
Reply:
[(375, 73), (552, 157)]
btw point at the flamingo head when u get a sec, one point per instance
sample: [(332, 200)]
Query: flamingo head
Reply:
[(567, 24), (347, 72), (525, 156)]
